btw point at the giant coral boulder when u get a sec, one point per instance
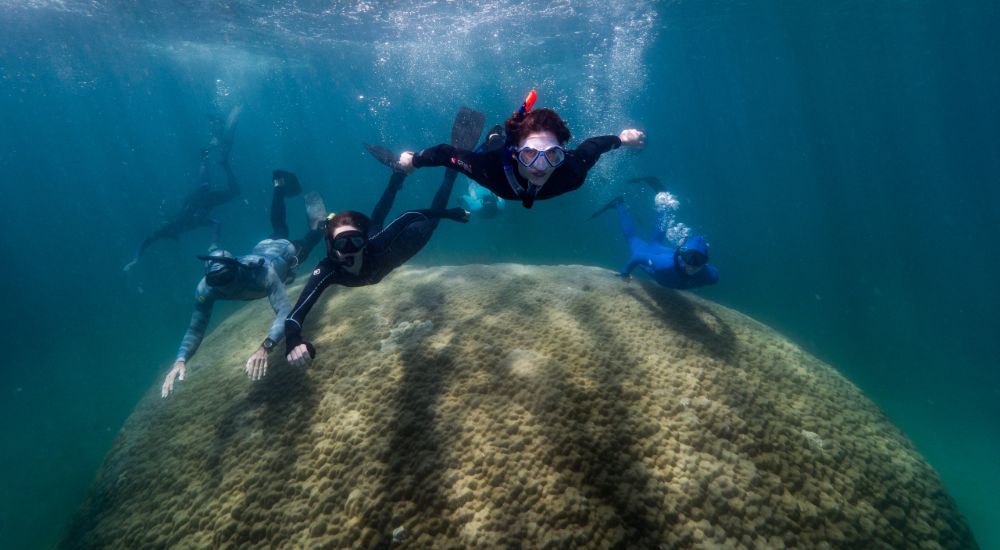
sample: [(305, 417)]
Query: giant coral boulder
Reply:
[(515, 406)]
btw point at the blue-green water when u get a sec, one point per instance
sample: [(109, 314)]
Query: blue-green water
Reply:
[(843, 158)]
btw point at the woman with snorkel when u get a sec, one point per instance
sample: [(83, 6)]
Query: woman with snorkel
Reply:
[(532, 163)]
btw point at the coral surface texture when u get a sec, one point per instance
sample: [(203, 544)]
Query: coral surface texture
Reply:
[(511, 406)]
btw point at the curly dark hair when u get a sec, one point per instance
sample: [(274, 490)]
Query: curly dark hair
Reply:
[(541, 120)]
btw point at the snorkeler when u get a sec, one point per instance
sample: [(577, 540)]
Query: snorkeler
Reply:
[(361, 252), (263, 272), (535, 143), (682, 267), (481, 202), (197, 206)]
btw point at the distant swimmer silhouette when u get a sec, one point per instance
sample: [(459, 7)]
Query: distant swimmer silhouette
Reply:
[(360, 251), (682, 267), (197, 207), (262, 273), (482, 202), (531, 162)]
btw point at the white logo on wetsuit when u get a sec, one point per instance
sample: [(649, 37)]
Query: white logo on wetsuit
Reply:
[(316, 272)]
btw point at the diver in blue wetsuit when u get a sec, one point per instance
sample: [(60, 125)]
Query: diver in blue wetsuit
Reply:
[(262, 273), (682, 267)]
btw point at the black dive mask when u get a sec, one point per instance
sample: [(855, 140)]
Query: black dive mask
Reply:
[(693, 258), (349, 242)]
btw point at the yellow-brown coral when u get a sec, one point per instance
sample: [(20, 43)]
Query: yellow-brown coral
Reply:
[(517, 407)]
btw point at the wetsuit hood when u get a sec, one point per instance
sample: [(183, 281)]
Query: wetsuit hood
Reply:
[(694, 251), (222, 268)]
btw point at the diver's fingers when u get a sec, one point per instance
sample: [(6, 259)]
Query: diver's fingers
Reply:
[(255, 371), (167, 386), (299, 356), (181, 374)]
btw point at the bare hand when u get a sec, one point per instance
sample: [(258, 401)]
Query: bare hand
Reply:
[(176, 373), (406, 162), (257, 364), (299, 356), (632, 138), (624, 276)]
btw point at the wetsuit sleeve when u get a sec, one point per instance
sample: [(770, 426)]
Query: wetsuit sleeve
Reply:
[(452, 157), (323, 276), (711, 275), (383, 239), (199, 322), (629, 267), (279, 303), (590, 150)]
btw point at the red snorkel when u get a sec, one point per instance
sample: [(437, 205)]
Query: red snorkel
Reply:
[(529, 102)]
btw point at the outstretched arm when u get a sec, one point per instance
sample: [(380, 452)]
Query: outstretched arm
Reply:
[(444, 155), (383, 239), (322, 277), (626, 272), (256, 366), (192, 338), (591, 149)]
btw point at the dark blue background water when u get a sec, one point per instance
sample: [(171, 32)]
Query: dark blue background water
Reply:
[(843, 158)]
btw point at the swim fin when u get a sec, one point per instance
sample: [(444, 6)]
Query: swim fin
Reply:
[(467, 128), (652, 181), (614, 202), (287, 182), (384, 155), (315, 209)]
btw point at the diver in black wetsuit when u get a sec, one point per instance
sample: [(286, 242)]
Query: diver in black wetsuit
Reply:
[(535, 146), (197, 206), (361, 252)]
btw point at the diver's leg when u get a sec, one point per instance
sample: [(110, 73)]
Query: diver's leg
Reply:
[(171, 230), (216, 233), (232, 184), (440, 201), (384, 204), (628, 227), (279, 225), (316, 214), (232, 190)]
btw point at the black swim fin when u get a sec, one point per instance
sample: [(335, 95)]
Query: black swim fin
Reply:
[(614, 202), (467, 128), (652, 181), (384, 155)]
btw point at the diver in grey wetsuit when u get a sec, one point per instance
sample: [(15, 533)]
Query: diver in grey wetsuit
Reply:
[(263, 272)]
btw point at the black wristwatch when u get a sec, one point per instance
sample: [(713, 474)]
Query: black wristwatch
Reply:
[(268, 344)]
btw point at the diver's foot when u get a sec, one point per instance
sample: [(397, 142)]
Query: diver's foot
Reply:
[(315, 209), (385, 156), (286, 183), (494, 135)]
